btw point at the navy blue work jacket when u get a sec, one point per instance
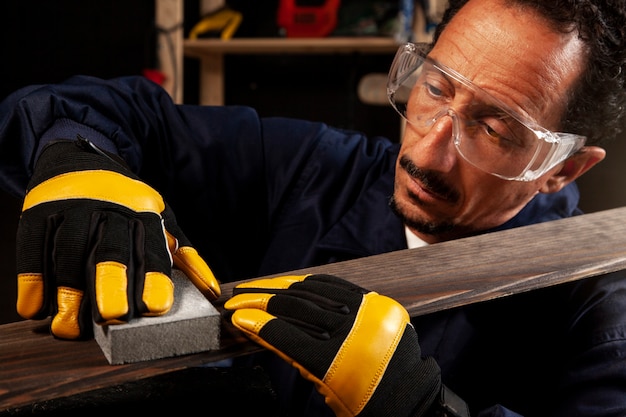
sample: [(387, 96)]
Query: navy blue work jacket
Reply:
[(262, 196)]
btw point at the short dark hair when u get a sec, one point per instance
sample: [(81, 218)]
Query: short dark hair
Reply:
[(597, 103)]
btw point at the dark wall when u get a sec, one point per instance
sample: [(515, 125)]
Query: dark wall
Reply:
[(47, 41), (9, 212), (314, 87)]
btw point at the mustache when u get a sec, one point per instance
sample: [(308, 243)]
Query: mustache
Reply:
[(431, 180)]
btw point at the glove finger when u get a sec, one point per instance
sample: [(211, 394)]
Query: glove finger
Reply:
[(278, 283), (187, 259), (333, 289), (108, 264), (156, 295), (72, 319), (35, 230), (334, 284), (281, 337), (325, 295), (302, 313), (196, 269), (122, 286)]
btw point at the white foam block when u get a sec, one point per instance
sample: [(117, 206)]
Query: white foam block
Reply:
[(191, 326)]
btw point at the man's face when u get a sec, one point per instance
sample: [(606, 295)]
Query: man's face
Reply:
[(512, 55)]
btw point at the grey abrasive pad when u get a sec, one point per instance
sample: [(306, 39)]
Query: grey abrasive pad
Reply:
[(191, 326)]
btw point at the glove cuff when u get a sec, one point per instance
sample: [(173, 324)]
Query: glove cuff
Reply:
[(64, 155), (448, 404)]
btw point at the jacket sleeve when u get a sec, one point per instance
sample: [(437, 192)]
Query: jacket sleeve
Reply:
[(594, 383), (581, 354), (130, 116)]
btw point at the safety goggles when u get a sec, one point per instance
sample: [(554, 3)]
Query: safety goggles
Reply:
[(486, 132)]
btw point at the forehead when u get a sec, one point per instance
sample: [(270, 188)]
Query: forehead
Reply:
[(513, 54)]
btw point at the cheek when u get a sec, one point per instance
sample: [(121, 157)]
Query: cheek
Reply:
[(495, 204), (409, 139)]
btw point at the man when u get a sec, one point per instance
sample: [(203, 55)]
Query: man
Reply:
[(259, 197)]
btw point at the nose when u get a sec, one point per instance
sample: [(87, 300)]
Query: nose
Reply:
[(433, 143)]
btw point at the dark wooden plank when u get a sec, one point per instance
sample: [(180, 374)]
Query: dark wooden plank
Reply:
[(480, 268), (34, 367)]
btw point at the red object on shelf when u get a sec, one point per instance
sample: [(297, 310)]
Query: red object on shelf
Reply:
[(154, 75), (307, 18)]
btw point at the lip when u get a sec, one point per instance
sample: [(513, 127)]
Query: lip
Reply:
[(417, 190)]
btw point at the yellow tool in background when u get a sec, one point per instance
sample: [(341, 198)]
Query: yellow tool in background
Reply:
[(225, 21)]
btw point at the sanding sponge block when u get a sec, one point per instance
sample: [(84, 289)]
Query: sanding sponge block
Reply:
[(191, 326)]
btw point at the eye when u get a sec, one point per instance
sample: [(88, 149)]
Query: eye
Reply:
[(433, 90), (503, 133), (435, 85), (491, 131)]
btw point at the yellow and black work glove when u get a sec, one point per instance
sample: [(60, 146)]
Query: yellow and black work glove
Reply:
[(96, 243), (358, 347)]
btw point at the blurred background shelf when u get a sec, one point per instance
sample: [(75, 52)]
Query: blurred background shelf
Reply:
[(210, 53), (363, 44)]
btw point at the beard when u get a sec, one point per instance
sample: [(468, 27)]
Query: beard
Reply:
[(433, 182), (420, 225)]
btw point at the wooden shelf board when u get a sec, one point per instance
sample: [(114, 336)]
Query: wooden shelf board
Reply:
[(199, 48)]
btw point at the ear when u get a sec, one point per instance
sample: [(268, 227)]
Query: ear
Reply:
[(573, 167)]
